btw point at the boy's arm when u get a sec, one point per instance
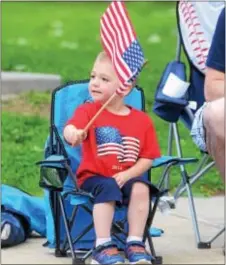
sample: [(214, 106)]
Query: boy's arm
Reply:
[(73, 136), (149, 151), (215, 72), (73, 131), (214, 84), (142, 165)]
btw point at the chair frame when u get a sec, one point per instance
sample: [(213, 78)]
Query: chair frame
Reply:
[(203, 165), (56, 147)]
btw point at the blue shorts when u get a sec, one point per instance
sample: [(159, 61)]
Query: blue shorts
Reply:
[(105, 189), (198, 130)]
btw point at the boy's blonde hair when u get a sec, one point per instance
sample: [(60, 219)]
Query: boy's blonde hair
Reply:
[(102, 56)]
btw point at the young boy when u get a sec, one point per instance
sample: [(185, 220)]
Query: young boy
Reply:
[(116, 151)]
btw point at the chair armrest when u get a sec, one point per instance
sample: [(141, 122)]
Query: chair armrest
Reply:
[(53, 172), (78, 197), (55, 161), (165, 160)]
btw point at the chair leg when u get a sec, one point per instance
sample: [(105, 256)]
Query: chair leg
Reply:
[(119, 239), (80, 260), (192, 208), (56, 213), (169, 152), (88, 228), (200, 171), (147, 236), (66, 223), (216, 236), (71, 221), (164, 181), (186, 183), (150, 242), (157, 259), (87, 255), (200, 244), (152, 211), (117, 228)]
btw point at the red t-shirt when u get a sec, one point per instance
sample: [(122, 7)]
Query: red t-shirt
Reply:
[(114, 142)]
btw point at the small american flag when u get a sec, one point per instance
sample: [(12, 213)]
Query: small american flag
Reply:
[(110, 142), (120, 43)]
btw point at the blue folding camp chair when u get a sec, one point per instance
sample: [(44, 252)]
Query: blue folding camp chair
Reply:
[(69, 209), (193, 18)]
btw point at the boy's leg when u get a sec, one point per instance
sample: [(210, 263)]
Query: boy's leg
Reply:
[(138, 207), (106, 192), (103, 214), (138, 192)]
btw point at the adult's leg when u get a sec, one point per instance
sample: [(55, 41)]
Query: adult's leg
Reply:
[(213, 118)]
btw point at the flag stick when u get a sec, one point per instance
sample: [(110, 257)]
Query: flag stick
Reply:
[(99, 112), (104, 106), (89, 124)]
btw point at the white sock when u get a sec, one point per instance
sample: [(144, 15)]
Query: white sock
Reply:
[(103, 240), (134, 238)]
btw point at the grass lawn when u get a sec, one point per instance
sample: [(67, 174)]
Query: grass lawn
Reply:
[(63, 38)]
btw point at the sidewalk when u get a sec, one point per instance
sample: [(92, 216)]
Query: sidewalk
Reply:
[(176, 246), (13, 83)]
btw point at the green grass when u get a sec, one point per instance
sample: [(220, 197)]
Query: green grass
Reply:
[(28, 38), (36, 98), (23, 139), (63, 38)]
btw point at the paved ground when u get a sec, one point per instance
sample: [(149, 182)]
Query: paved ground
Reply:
[(177, 245), (15, 82)]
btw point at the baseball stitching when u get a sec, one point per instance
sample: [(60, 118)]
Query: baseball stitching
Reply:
[(196, 35)]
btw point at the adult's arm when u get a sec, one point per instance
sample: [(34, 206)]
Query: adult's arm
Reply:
[(214, 84), (215, 73)]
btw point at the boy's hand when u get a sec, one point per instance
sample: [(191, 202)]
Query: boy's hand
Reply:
[(74, 136), (121, 178), (80, 136)]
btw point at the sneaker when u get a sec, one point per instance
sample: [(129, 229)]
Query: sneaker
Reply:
[(136, 254), (107, 254)]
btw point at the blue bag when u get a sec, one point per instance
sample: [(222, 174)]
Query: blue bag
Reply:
[(169, 108), (22, 213), (14, 229)]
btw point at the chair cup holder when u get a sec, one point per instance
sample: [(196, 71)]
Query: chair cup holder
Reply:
[(52, 178)]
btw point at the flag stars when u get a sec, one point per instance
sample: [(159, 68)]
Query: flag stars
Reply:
[(133, 56)]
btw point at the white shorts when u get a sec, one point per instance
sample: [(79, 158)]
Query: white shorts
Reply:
[(198, 130)]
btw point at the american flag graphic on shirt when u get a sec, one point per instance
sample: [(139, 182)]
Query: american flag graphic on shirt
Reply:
[(111, 142)]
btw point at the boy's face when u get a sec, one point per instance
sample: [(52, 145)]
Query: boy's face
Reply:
[(103, 81)]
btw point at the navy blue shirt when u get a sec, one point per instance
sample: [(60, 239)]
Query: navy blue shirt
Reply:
[(216, 57)]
